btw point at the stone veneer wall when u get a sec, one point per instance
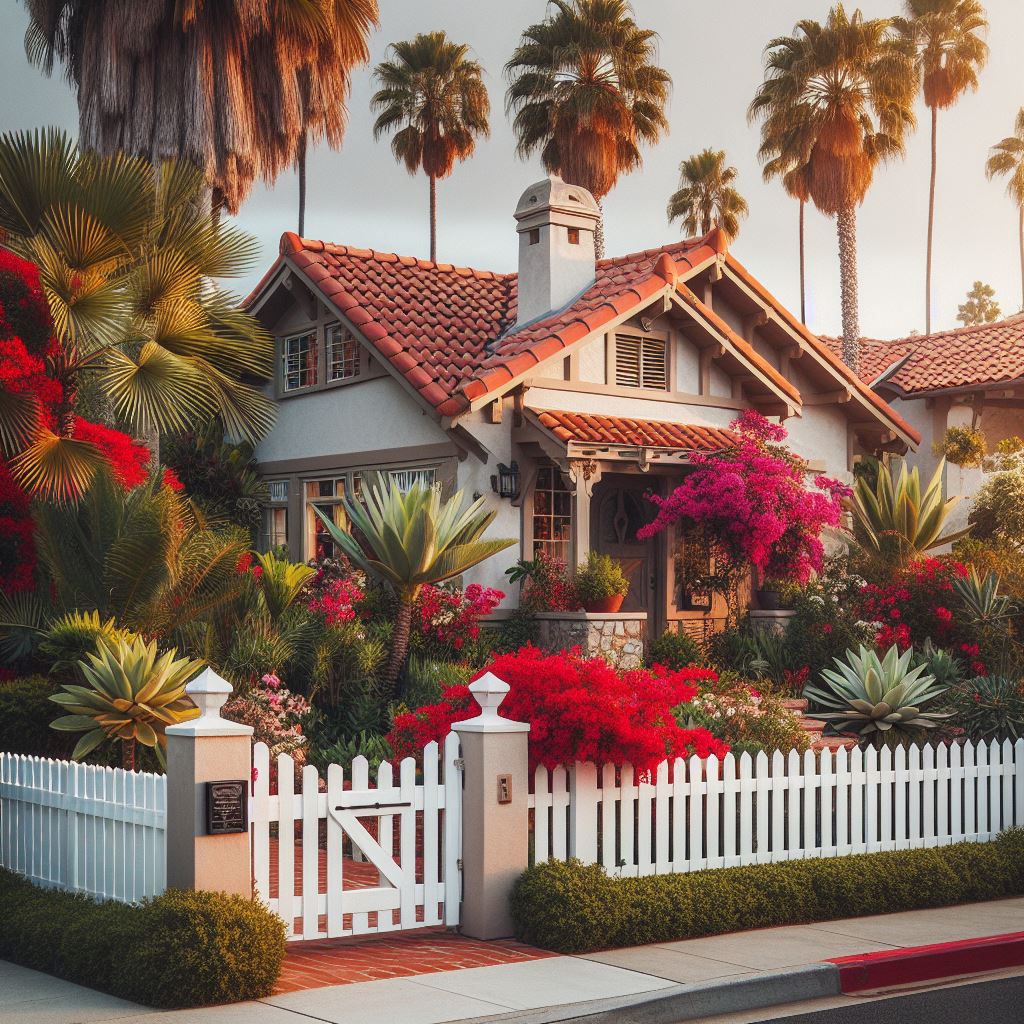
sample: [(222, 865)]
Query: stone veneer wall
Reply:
[(619, 638)]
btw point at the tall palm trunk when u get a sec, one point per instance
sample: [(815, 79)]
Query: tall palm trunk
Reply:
[(300, 163), (931, 229), (1020, 233), (433, 218), (599, 229), (846, 226), (128, 755), (399, 645), (803, 286)]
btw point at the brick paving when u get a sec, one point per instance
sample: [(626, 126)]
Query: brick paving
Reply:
[(324, 962)]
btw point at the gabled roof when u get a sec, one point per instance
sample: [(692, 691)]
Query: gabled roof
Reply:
[(980, 356), (587, 428)]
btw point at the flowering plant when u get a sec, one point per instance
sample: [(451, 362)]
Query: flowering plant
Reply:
[(277, 716), (547, 585), (446, 618), (752, 503), (337, 598), (579, 709)]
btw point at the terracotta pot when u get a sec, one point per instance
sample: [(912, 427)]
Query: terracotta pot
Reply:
[(605, 604)]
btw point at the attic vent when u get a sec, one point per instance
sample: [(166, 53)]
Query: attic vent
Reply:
[(641, 362), (575, 199)]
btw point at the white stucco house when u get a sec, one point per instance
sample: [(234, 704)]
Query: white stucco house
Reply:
[(594, 379)]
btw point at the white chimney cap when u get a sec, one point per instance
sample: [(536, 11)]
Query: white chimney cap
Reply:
[(569, 204)]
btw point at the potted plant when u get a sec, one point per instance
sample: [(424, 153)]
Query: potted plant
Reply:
[(601, 584), (769, 596)]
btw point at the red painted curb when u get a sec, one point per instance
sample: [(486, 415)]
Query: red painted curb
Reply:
[(929, 963)]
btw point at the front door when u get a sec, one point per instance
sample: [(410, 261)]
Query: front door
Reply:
[(618, 509)]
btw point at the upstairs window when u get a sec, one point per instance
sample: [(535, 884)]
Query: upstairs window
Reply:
[(299, 356), (342, 353), (641, 362)]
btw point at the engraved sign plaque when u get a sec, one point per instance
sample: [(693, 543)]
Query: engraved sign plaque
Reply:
[(227, 807)]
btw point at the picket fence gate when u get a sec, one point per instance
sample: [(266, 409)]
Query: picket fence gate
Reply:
[(83, 828), (689, 815), (384, 856)]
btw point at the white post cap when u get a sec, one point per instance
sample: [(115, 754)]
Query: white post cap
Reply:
[(209, 693), (489, 691)]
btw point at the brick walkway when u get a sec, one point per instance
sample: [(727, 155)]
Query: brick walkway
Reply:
[(326, 962)]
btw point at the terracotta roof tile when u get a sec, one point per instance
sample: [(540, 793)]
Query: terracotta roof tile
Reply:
[(584, 428)]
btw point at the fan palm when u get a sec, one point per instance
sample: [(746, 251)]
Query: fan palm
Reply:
[(125, 254), (836, 102), (432, 96), (950, 52), (132, 695), (229, 87), (412, 539), (1006, 159), (586, 94), (706, 196)]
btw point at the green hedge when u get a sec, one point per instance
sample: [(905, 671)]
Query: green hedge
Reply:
[(572, 908), (26, 712), (178, 950)]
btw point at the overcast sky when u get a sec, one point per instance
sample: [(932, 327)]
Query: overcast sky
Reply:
[(713, 51)]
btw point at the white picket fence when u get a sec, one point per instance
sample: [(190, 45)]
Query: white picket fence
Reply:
[(385, 855), (82, 827), (709, 814)]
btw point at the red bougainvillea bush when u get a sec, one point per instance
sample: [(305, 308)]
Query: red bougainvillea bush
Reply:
[(752, 501), (579, 709), (446, 619)]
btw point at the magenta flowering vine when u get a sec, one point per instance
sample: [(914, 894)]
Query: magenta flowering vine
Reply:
[(752, 504)]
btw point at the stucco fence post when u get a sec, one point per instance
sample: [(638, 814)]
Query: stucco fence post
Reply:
[(495, 812), (208, 749)]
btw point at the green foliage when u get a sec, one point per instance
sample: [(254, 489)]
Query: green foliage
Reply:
[(25, 716), (759, 654), (946, 669), (989, 708), (675, 649), (518, 630), (895, 521), (280, 583), (600, 578), (881, 697), (707, 196), (730, 713), (980, 307), (572, 908), (374, 747), (963, 446), (997, 514), (177, 950), (74, 636)]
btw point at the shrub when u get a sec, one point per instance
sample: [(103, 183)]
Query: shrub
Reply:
[(179, 949), (520, 629), (602, 577), (962, 446), (546, 584), (989, 708), (446, 620), (571, 908), (25, 716), (674, 650)]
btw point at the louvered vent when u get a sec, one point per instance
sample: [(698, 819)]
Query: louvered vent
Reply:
[(641, 362)]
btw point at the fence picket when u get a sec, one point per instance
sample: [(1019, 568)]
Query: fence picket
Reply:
[(286, 841), (431, 820), (452, 830)]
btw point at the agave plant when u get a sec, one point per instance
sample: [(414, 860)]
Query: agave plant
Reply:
[(980, 594), (896, 519), (132, 695), (71, 637), (412, 539), (881, 697)]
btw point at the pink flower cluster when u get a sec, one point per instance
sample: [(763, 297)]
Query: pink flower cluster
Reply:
[(450, 616), (338, 599), (752, 500)]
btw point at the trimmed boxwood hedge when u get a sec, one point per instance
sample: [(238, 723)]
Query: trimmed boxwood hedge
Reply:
[(570, 907), (180, 949)]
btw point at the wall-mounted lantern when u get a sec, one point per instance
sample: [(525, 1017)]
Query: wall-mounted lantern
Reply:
[(506, 483)]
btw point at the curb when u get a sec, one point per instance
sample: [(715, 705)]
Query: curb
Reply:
[(692, 1002), (867, 971)]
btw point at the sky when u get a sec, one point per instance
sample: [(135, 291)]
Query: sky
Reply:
[(714, 52)]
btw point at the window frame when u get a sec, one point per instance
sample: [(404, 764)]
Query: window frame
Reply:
[(321, 330), (553, 546), (298, 336)]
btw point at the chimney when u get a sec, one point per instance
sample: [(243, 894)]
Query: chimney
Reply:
[(556, 223)]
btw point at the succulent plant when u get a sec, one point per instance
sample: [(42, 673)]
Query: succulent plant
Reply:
[(877, 696)]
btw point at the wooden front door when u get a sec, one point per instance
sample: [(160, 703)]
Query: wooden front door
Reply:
[(618, 510)]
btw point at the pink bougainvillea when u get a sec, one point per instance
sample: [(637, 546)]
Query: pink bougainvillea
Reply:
[(753, 502), (448, 616)]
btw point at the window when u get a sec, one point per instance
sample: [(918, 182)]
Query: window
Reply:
[(325, 495), (534, 236), (574, 236), (552, 515), (278, 490), (275, 516), (641, 362), (406, 479), (299, 355), (342, 353)]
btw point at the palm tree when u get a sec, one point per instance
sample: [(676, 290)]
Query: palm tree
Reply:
[(433, 97), (950, 52), (412, 539), (706, 197), (231, 87), (325, 80), (586, 94), (1006, 158), (840, 96), (125, 255)]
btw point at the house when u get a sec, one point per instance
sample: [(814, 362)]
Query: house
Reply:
[(968, 377), (575, 386)]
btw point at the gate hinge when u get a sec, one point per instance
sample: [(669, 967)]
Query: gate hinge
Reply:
[(458, 863), (460, 764)]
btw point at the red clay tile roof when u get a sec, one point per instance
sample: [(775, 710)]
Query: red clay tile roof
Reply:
[(619, 430), (876, 356)]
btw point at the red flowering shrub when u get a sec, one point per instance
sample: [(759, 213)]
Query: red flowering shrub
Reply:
[(17, 537), (128, 459), (751, 501), (338, 598), (579, 709), (548, 587), (170, 479), (447, 618)]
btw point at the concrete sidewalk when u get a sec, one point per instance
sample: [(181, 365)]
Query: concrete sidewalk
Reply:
[(723, 966)]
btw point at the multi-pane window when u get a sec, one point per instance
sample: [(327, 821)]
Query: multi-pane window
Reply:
[(275, 516), (641, 362), (325, 496), (406, 479), (342, 353), (299, 355), (552, 515)]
